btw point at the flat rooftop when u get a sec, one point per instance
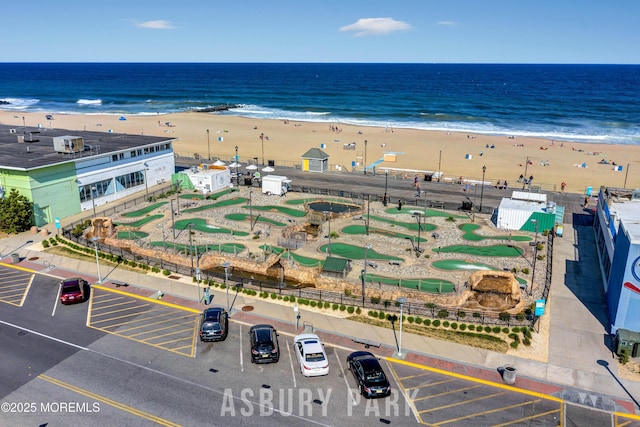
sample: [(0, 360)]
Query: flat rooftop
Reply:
[(38, 151), (628, 212)]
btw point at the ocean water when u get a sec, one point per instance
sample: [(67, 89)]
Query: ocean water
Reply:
[(589, 103)]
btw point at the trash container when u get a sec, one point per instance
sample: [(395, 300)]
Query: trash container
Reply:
[(15, 258), (509, 374), (467, 206)]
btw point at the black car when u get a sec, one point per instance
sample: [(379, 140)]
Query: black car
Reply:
[(214, 325), (264, 344), (371, 380)]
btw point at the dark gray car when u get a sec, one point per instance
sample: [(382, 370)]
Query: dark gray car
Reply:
[(264, 344), (214, 324)]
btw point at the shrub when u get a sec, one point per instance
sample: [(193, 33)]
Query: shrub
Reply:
[(375, 300), (45, 244), (279, 297), (443, 314), (427, 322), (286, 298), (351, 309), (496, 329), (487, 329), (461, 314), (504, 316), (335, 306), (347, 292), (373, 313), (166, 272), (505, 330), (525, 270), (472, 327), (514, 344), (515, 329), (445, 323), (410, 319), (436, 323), (463, 326), (358, 310), (418, 320), (382, 315), (327, 304), (313, 303), (624, 356), (520, 317), (292, 298), (477, 315), (454, 325), (526, 341)]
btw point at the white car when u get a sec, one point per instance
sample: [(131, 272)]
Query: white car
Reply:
[(310, 353)]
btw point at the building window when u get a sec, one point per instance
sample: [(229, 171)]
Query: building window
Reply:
[(114, 158), (95, 190), (133, 154), (130, 180)]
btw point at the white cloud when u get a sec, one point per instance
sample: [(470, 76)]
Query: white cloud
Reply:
[(156, 25), (448, 23), (375, 26)]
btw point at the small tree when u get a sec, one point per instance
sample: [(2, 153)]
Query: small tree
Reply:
[(16, 213)]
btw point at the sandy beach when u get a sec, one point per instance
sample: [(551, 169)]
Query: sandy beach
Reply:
[(579, 165)]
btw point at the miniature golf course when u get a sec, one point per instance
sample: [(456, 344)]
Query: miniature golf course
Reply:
[(222, 204), (201, 225), (245, 217), (140, 222), (470, 234), (144, 211), (361, 229), (356, 252)]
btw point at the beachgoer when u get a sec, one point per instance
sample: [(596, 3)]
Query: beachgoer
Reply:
[(563, 185), (521, 178), (505, 185)]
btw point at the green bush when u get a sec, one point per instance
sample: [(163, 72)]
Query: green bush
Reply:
[(343, 307), (443, 314), (286, 298), (463, 326), (454, 325), (505, 330), (45, 244), (351, 309), (358, 310), (427, 322), (313, 303), (327, 304), (487, 329), (279, 297), (373, 313), (515, 329), (514, 344), (520, 317), (445, 323), (472, 327), (166, 272), (525, 270), (436, 323), (335, 306), (526, 341), (418, 320), (347, 291), (410, 319), (274, 295), (504, 316), (496, 329), (477, 315), (461, 314), (624, 356)]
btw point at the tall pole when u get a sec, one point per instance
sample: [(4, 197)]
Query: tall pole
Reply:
[(94, 190), (439, 163), (625, 176), (402, 301), (328, 213), (386, 183), (364, 272), (524, 179), (365, 156), (237, 177), (262, 142), (95, 246), (417, 215), (251, 207), (367, 223), (226, 266), (191, 247), (484, 169), (173, 221), (146, 184), (208, 146)]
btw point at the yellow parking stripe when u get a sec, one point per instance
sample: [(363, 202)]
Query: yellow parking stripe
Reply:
[(106, 313), (155, 330), (15, 267), (166, 304), (106, 400), (124, 316), (103, 306), (172, 341), (163, 335), (464, 402), (431, 396), (528, 418), (413, 376), (432, 384), (137, 320), (493, 411)]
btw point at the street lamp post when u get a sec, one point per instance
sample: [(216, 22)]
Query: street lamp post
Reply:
[(226, 266), (146, 183), (484, 169), (191, 245), (364, 271), (94, 191), (418, 217), (251, 207), (95, 246), (386, 183), (208, 146), (262, 143), (365, 156), (535, 257), (402, 301), (237, 177)]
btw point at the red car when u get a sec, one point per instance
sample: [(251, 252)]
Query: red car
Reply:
[(72, 290)]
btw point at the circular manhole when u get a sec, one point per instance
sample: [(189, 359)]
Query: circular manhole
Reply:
[(247, 308), (33, 258)]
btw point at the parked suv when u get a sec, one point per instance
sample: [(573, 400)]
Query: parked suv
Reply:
[(214, 324), (264, 344)]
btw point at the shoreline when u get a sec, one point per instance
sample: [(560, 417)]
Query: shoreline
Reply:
[(455, 154)]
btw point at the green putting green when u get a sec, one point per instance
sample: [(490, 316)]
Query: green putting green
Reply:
[(458, 264), (470, 234), (304, 201), (355, 252), (222, 204), (361, 229), (413, 226), (140, 222), (230, 248), (245, 217), (424, 285), (491, 251), (425, 212), (214, 196), (144, 211), (132, 235), (281, 209), (201, 225)]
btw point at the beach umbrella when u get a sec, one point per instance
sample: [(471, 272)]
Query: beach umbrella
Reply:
[(252, 167), (218, 163), (234, 165), (268, 169)]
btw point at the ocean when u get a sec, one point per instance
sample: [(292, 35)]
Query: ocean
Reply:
[(587, 103)]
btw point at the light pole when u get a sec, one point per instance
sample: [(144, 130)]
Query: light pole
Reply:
[(173, 221), (484, 169), (418, 217), (365, 156), (226, 266), (328, 213), (191, 245), (402, 301), (364, 271), (262, 142), (251, 207), (94, 191), (146, 184), (208, 145), (386, 184), (95, 246), (237, 177), (535, 257)]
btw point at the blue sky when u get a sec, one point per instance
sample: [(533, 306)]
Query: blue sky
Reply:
[(417, 31)]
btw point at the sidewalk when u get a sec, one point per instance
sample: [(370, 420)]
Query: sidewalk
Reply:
[(573, 371)]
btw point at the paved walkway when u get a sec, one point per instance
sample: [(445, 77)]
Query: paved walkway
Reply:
[(580, 368)]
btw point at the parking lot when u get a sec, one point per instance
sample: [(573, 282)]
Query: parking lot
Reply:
[(14, 285), (155, 323)]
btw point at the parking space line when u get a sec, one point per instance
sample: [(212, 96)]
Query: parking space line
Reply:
[(102, 307), (444, 393), (413, 376), (464, 402), (344, 377), (106, 400), (493, 411), (156, 329), (529, 418), (137, 320), (160, 302), (163, 335), (171, 341), (450, 380), (293, 372), (124, 316), (107, 313), (241, 359)]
